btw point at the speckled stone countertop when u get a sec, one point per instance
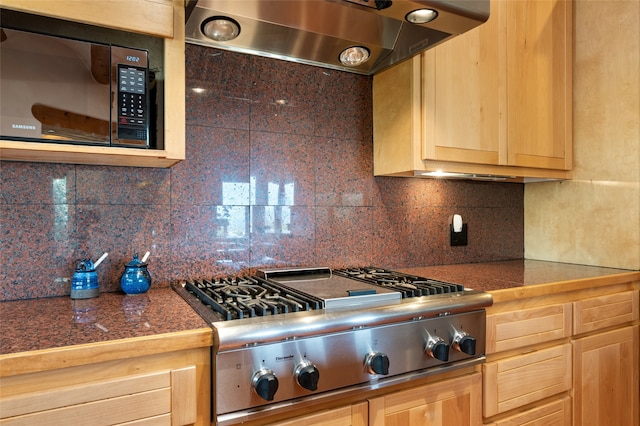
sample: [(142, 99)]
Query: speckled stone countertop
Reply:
[(508, 280), (41, 324), (114, 323)]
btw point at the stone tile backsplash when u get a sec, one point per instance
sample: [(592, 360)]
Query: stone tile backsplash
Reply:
[(279, 172)]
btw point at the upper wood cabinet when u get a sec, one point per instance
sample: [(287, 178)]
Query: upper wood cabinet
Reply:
[(161, 18), (496, 100)]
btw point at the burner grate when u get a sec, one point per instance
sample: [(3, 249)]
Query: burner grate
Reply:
[(408, 285), (246, 297)]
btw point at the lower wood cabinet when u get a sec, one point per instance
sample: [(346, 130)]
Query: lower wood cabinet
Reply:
[(554, 413), (164, 389), (351, 415), (451, 402), (516, 381), (605, 384)]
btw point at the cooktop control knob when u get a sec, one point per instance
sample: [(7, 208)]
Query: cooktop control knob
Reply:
[(464, 343), (265, 383), (437, 348), (307, 375), (377, 363)]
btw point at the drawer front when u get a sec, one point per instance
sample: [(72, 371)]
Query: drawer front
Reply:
[(515, 329), (162, 397), (555, 413), (516, 381), (604, 311)]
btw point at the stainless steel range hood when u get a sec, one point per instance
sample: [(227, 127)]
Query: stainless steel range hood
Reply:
[(317, 31)]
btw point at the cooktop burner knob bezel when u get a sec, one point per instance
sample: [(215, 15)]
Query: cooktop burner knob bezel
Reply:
[(265, 383), (437, 348), (307, 375), (377, 363), (464, 343)]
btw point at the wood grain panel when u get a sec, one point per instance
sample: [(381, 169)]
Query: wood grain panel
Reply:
[(101, 413), (452, 402), (82, 393), (352, 415), (184, 409), (555, 413), (606, 377), (513, 382), (154, 17), (605, 311), (515, 329), (539, 102)]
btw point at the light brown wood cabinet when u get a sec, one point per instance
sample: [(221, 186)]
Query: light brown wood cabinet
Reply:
[(606, 370), (554, 413), (564, 358), (496, 100), (523, 327), (162, 389), (516, 381), (351, 415), (162, 18), (452, 402)]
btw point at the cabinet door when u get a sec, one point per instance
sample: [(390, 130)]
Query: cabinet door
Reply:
[(353, 415), (452, 402), (539, 83), (154, 17), (463, 94), (513, 382), (605, 384)]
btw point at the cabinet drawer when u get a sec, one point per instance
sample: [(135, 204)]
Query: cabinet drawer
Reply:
[(513, 382), (515, 329), (555, 413), (154, 397), (604, 311), (353, 415)]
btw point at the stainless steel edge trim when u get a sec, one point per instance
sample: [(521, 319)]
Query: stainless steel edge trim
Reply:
[(261, 330)]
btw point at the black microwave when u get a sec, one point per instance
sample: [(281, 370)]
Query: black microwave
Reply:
[(64, 90)]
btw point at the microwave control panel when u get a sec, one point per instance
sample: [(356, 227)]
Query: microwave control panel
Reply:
[(133, 114)]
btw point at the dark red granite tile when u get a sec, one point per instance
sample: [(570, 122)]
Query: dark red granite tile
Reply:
[(488, 194), (343, 105), (37, 251), (122, 185), (216, 171), (210, 241), (282, 167), (343, 174), (36, 183), (343, 236), (218, 88), (282, 236)]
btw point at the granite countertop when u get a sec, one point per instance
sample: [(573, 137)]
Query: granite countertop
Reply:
[(98, 327), (48, 333), (513, 279)]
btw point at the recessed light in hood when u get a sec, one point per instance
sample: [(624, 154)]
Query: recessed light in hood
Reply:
[(220, 28), (317, 31)]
